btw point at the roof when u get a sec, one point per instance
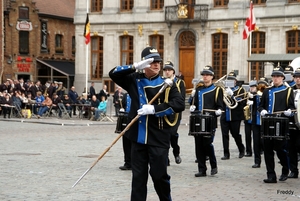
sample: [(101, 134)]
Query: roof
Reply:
[(272, 57), (65, 67), (62, 8)]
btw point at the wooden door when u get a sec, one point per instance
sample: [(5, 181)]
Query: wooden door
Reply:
[(187, 57)]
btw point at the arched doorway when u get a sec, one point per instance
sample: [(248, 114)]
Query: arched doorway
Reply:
[(187, 56)]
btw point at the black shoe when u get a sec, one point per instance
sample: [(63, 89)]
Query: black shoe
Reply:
[(214, 171), (283, 177), (225, 158), (269, 180), (178, 159), (124, 167), (293, 175), (196, 161), (200, 174), (248, 155), (255, 166), (242, 154)]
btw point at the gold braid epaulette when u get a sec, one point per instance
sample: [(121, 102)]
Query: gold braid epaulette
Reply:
[(166, 101)]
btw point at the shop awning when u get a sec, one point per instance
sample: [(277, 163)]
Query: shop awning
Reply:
[(66, 68), (272, 57)]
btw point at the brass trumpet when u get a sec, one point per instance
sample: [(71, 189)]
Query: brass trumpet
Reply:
[(230, 102)]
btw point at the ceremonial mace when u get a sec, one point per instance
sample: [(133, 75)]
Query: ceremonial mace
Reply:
[(167, 83)]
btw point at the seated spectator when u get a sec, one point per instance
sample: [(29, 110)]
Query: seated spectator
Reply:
[(82, 100), (101, 108), (6, 104), (94, 104), (17, 99), (45, 106), (24, 100), (38, 101), (55, 100), (67, 102)]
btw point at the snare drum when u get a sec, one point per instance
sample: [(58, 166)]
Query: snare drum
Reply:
[(201, 124), (274, 127), (121, 122)]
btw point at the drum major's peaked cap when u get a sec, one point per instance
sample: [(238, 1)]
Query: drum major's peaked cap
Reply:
[(253, 83), (208, 70), (278, 70), (297, 72), (169, 65), (150, 52), (288, 70), (231, 76), (263, 80)]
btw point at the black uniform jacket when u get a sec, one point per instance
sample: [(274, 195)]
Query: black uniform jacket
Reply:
[(149, 129), (210, 97)]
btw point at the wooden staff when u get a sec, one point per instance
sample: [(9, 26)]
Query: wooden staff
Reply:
[(168, 83)]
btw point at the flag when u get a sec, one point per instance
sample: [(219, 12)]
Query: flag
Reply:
[(250, 23), (87, 34)]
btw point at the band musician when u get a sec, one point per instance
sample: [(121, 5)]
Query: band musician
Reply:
[(294, 142), (254, 102), (277, 98), (231, 119), (207, 98)]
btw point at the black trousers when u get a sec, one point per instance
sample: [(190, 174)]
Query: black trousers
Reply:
[(174, 139), (143, 157), (234, 128), (127, 151), (257, 143), (294, 149), (248, 138), (204, 147), (271, 145)]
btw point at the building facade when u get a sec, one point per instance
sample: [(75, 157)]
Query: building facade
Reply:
[(190, 33), (39, 40)]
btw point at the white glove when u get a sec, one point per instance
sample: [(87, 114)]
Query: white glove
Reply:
[(122, 110), (249, 102), (192, 108), (218, 112), (263, 112), (143, 64), (146, 109), (250, 95), (287, 112), (193, 93), (228, 91)]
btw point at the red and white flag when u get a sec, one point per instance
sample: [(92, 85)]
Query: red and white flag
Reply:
[(250, 23)]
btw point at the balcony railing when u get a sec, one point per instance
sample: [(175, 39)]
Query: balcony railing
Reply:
[(195, 13)]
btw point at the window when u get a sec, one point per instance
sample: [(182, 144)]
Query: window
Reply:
[(73, 45), (97, 57), (219, 54), (157, 41), (24, 13), (126, 50), (96, 5), (258, 47), (23, 42), (221, 3), (294, 1), (293, 41), (257, 2), (157, 4), (58, 44), (126, 5), (110, 86)]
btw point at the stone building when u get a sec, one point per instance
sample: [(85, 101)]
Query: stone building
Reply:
[(190, 33), (39, 40)]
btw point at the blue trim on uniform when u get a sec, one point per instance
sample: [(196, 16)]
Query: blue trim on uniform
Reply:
[(128, 103), (292, 83), (271, 97), (142, 122), (227, 110), (169, 111), (201, 94), (258, 117), (121, 68)]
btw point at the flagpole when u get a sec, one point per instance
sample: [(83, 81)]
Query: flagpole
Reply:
[(87, 56), (250, 42)]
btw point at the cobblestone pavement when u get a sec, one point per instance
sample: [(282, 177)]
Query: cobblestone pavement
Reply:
[(42, 158)]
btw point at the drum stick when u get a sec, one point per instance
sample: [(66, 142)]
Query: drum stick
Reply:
[(211, 110), (168, 83), (278, 112)]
